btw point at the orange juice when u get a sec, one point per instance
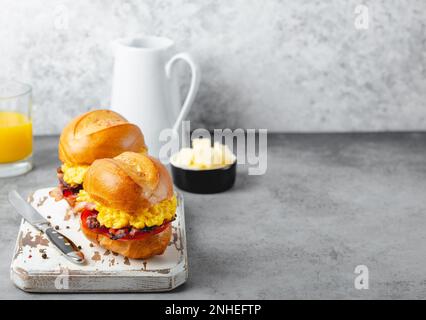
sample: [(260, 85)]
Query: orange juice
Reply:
[(16, 139)]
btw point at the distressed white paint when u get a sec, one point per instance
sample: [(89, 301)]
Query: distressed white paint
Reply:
[(112, 273)]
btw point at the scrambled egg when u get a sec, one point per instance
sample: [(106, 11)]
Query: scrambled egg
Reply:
[(114, 218), (73, 175)]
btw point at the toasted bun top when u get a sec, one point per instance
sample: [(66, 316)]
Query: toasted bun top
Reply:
[(98, 134), (128, 182)]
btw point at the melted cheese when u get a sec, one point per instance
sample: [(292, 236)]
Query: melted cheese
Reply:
[(114, 218), (74, 174)]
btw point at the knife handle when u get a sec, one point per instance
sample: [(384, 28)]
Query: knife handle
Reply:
[(65, 245)]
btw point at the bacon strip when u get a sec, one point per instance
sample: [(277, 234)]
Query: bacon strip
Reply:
[(56, 194), (64, 190)]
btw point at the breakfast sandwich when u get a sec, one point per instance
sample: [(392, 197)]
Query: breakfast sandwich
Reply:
[(93, 135), (127, 205)]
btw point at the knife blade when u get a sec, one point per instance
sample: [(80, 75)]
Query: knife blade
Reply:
[(61, 242)]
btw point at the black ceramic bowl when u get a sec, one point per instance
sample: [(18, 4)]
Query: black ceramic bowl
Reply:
[(204, 181)]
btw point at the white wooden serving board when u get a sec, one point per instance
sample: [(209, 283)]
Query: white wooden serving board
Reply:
[(37, 266)]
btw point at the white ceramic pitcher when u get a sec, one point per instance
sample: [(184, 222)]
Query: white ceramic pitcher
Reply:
[(145, 89)]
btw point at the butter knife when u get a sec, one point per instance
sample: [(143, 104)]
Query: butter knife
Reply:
[(61, 242)]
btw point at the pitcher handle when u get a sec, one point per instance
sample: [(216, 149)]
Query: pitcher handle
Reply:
[(193, 88)]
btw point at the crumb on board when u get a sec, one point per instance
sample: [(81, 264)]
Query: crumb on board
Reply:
[(96, 256)]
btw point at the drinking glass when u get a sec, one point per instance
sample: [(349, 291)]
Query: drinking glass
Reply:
[(16, 137)]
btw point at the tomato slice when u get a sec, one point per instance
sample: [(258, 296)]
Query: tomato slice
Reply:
[(89, 213), (67, 193), (140, 234)]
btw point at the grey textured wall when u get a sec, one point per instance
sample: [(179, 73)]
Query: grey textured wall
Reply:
[(283, 65)]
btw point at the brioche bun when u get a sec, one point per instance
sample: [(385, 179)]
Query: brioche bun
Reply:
[(144, 248), (128, 182), (98, 134)]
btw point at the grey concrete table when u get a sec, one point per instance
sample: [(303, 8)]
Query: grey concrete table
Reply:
[(326, 204)]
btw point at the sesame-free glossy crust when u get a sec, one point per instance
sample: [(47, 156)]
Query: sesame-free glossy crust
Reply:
[(98, 134), (116, 184)]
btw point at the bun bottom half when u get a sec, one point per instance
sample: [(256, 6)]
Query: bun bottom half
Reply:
[(144, 248)]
